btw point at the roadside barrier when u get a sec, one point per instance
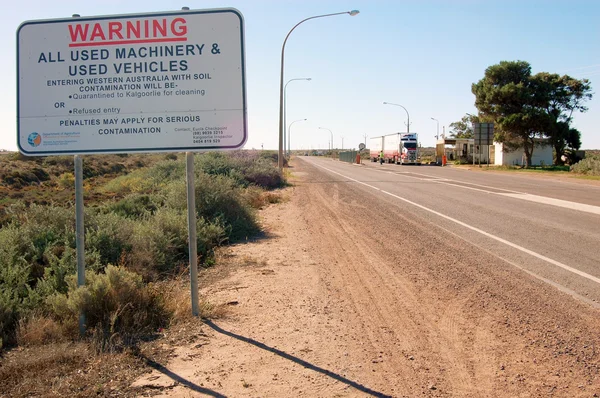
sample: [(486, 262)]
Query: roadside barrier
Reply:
[(348, 156)]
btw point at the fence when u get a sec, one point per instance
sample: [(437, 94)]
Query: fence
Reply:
[(349, 156)]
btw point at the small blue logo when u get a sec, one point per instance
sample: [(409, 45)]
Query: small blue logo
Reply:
[(34, 139)]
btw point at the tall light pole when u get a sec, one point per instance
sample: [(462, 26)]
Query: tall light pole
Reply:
[(323, 128), (407, 115), (342, 137), (285, 105), (290, 134), (437, 134), (281, 87)]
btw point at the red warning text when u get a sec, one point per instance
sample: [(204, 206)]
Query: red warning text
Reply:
[(128, 32)]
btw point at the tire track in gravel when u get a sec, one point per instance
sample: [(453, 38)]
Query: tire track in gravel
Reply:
[(397, 306), (412, 327)]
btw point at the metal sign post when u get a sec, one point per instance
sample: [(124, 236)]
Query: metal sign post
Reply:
[(80, 232), (192, 239), (483, 134)]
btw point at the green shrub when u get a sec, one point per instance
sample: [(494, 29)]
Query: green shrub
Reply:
[(45, 227), (588, 166), (19, 178), (147, 180), (8, 318), (60, 266), (32, 264), (214, 163), (64, 161), (146, 231), (108, 235), (160, 243), (165, 172), (14, 278), (135, 206), (66, 180), (271, 156), (119, 308), (263, 174), (243, 167), (218, 200)]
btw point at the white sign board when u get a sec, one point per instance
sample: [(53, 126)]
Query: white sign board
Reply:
[(159, 82)]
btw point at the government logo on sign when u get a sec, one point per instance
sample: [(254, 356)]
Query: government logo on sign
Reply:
[(34, 139)]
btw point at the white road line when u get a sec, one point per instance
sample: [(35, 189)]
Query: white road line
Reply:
[(482, 232), (433, 178), (460, 186), (508, 193), (555, 202)]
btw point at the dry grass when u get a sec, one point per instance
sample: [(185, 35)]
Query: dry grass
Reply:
[(72, 370), (177, 301), (46, 364), (39, 329), (258, 198), (271, 197)]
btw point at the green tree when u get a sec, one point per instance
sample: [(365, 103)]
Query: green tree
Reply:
[(507, 95), (464, 127), (527, 108), (563, 95)]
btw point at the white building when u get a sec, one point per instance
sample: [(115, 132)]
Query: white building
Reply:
[(542, 155), (463, 148)]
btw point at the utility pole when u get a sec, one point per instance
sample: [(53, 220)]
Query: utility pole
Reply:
[(365, 140)]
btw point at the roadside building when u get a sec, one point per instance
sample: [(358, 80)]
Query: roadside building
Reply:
[(465, 151), (542, 155)]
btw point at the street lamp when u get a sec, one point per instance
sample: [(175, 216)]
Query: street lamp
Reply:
[(281, 87), (285, 105), (290, 134), (323, 128), (437, 134), (342, 137), (407, 115)]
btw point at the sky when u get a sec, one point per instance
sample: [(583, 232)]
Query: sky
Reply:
[(421, 54)]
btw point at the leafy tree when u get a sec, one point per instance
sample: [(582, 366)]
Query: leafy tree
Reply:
[(563, 95), (464, 127), (527, 108), (507, 95)]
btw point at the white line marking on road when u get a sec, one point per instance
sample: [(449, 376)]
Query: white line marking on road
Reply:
[(460, 186), (555, 202), (482, 232), (509, 193), (435, 179)]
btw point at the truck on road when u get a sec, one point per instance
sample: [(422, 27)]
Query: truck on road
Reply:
[(399, 148)]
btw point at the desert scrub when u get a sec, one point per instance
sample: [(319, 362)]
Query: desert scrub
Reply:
[(588, 166), (258, 197), (218, 200), (108, 236), (135, 206), (243, 167), (119, 308), (159, 244), (147, 180), (143, 232), (263, 174)]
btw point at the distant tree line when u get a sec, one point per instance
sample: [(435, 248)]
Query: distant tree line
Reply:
[(526, 108)]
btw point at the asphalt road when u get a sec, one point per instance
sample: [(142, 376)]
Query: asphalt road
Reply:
[(549, 228)]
